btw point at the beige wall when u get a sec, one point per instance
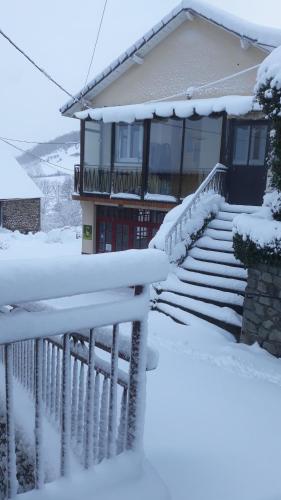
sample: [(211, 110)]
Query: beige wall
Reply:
[(195, 53), (89, 218)]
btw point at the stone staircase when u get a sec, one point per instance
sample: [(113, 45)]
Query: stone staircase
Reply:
[(210, 283)]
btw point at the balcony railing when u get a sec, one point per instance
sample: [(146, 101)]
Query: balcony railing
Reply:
[(104, 181), (73, 380)]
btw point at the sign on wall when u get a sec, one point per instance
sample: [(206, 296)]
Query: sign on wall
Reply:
[(87, 232)]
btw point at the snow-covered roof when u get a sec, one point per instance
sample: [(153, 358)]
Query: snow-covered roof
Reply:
[(233, 105), (270, 69), (15, 184), (265, 37)]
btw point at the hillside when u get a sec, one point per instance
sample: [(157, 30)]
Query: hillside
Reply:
[(63, 151)]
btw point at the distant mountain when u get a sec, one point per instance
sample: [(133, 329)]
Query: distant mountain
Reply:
[(63, 151)]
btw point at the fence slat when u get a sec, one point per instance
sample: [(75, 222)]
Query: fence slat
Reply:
[(39, 471), (96, 416), (122, 423), (103, 427), (112, 418), (80, 406), (74, 400), (89, 420), (66, 401), (10, 426), (58, 386)]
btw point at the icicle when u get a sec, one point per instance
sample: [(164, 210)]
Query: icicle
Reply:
[(26, 367), (74, 401), (66, 409), (89, 427), (122, 423), (44, 378), (112, 418), (96, 416), (10, 426), (58, 387), (39, 471), (103, 420), (80, 406)]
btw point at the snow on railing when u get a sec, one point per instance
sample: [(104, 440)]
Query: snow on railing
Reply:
[(90, 384), (214, 183)]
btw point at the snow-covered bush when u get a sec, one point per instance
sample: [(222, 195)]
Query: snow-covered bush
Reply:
[(268, 93), (257, 238)]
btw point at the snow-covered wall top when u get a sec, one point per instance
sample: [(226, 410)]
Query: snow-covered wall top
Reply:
[(14, 182), (270, 69), (232, 105), (265, 37)]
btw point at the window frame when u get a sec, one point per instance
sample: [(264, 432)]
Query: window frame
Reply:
[(250, 123), (127, 160)]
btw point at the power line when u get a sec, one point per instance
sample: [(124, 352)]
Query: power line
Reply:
[(49, 77), (54, 165), (190, 90), (41, 143), (96, 43)]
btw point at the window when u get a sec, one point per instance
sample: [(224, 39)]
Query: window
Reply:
[(249, 144), (201, 151), (97, 146), (165, 156), (129, 143)]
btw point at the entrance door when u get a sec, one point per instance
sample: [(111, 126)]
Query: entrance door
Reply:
[(123, 228), (247, 174)]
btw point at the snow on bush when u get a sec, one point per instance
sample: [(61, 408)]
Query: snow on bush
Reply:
[(208, 207), (257, 237)]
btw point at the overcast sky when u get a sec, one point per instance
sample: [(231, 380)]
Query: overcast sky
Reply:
[(59, 35)]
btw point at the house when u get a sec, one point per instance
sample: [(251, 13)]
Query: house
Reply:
[(156, 121), (20, 198)]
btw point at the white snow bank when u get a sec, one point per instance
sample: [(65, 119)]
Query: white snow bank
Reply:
[(270, 69), (44, 278), (14, 182), (126, 477), (209, 204), (260, 228), (235, 105)]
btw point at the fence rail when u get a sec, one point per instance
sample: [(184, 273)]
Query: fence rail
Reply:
[(89, 384), (214, 183)]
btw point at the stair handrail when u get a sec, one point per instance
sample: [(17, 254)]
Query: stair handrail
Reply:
[(214, 182)]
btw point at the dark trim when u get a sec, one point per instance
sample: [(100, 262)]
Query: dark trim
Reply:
[(224, 134), (82, 154), (145, 156), (181, 159), (112, 151)]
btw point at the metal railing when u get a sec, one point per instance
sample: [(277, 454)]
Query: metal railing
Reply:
[(101, 180), (89, 384), (214, 183)]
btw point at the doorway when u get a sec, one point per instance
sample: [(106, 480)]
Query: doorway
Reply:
[(121, 228), (248, 171)]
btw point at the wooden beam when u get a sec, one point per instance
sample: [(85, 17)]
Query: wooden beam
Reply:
[(142, 204)]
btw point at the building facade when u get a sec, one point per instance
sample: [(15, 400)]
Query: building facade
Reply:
[(154, 131), (20, 198)]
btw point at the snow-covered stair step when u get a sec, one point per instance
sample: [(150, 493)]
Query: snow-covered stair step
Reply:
[(212, 244), (219, 235), (225, 225), (211, 281), (173, 284), (212, 256), (226, 216), (211, 268), (247, 209), (184, 317), (223, 314)]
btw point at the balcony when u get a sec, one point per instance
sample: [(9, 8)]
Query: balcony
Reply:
[(160, 160)]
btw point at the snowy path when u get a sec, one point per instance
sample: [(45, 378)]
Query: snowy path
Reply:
[(213, 416)]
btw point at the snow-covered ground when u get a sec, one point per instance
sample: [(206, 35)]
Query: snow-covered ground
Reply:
[(213, 406)]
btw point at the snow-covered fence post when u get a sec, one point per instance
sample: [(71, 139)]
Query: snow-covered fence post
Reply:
[(137, 381), (112, 418), (39, 471), (66, 419), (10, 425), (89, 427)]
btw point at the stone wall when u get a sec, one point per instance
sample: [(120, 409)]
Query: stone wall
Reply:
[(262, 308), (22, 215)]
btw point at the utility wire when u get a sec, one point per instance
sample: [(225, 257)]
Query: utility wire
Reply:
[(41, 143), (49, 77), (96, 43), (54, 165), (205, 85)]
